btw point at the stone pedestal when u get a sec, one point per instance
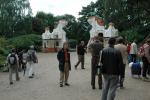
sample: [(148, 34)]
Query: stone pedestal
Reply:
[(52, 45)]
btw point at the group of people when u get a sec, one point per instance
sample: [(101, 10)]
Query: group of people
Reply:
[(141, 54), (21, 61), (108, 63)]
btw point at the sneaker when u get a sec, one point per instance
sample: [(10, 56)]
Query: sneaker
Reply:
[(11, 83), (83, 68), (30, 76), (67, 84), (61, 85), (93, 87)]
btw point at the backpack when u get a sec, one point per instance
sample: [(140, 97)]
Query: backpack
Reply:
[(12, 60), (24, 58), (32, 56)]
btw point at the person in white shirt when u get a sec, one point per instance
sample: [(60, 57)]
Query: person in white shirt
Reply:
[(133, 51)]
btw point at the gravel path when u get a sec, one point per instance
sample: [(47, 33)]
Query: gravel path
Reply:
[(45, 85)]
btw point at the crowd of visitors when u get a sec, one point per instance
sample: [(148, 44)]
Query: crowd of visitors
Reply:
[(107, 62), (21, 61)]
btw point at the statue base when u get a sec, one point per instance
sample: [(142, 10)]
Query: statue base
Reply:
[(51, 45)]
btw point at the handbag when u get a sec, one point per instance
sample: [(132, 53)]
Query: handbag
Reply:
[(99, 66)]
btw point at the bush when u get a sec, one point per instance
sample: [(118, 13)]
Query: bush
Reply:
[(24, 41), (132, 34)]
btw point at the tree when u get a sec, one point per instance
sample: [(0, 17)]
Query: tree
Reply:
[(11, 13)]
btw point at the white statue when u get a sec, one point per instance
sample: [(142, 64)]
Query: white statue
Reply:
[(46, 36), (59, 33), (96, 27), (111, 31)]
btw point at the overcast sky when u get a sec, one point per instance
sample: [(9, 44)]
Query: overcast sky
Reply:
[(59, 7)]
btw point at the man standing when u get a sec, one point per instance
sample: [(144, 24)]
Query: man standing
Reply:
[(32, 59), (63, 57), (80, 51), (133, 51), (123, 49), (111, 60), (95, 49), (13, 62), (146, 59)]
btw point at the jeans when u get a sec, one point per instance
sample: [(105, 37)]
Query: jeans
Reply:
[(30, 69), (109, 87)]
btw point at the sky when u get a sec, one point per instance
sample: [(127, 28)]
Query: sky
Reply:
[(59, 7)]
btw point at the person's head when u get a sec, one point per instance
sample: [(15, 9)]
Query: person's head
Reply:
[(32, 47), (148, 41), (13, 50), (82, 43), (65, 45), (100, 34), (112, 41), (120, 41)]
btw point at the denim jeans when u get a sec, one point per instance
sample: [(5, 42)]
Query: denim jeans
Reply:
[(109, 87)]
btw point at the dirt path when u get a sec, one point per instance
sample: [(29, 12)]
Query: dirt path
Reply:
[(45, 85)]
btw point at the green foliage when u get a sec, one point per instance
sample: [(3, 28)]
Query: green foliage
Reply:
[(12, 12), (132, 35), (24, 41)]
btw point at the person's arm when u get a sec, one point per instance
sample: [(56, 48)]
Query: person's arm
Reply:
[(17, 58)]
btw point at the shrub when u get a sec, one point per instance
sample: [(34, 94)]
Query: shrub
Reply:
[(24, 41), (132, 34)]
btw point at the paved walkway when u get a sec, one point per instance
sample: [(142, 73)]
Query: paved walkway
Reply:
[(45, 85)]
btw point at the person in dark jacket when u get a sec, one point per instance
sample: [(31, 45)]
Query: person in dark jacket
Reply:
[(63, 57), (81, 50), (95, 49), (112, 62)]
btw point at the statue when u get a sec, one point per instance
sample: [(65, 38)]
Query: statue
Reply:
[(111, 31), (45, 36), (59, 33), (97, 26)]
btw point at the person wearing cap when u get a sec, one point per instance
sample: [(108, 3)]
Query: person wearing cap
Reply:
[(31, 60), (13, 63), (95, 48)]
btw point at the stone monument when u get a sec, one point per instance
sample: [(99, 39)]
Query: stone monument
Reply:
[(59, 33)]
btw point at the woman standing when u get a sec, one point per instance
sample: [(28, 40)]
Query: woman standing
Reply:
[(63, 57)]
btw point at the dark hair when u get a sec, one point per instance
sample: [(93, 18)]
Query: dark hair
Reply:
[(100, 34), (148, 41), (120, 40), (112, 41)]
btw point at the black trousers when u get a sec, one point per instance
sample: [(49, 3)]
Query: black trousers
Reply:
[(122, 76), (133, 58), (146, 64), (94, 63)]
